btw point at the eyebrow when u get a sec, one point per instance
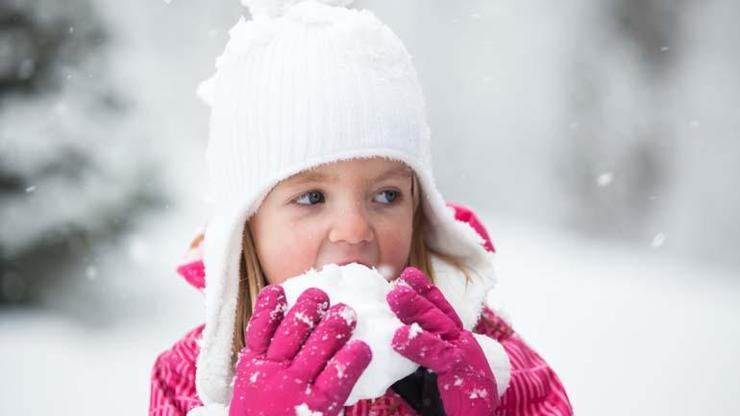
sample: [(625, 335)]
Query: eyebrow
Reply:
[(399, 171), (314, 176)]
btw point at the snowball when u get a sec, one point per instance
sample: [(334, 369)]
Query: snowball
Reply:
[(363, 289), (386, 271)]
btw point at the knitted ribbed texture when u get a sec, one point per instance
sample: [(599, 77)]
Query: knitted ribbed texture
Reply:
[(304, 89)]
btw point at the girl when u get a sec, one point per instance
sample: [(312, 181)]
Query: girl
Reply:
[(318, 154)]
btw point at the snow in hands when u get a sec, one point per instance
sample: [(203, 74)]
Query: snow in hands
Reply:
[(299, 361), (434, 337), (364, 290)]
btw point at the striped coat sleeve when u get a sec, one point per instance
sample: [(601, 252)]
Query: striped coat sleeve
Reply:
[(534, 389), (172, 391)]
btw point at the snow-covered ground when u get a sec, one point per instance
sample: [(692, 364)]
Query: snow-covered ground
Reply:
[(629, 330), (54, 364)]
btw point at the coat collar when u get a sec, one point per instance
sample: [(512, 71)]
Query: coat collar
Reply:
[(466, 298)]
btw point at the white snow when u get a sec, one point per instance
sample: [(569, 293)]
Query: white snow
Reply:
[(253, 378), (341, 368), (303, 318), (363, 289), (658, 240), (629, 330), (386, 271), (478, 394), (605, 179), (91, 272), (348, 315), (414, 330), (304, 410)]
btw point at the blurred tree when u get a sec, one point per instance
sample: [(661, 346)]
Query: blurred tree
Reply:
[(74, 171), (618, 154)]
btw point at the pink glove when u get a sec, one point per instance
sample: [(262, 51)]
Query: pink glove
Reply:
[(434, 338), (300, 362)]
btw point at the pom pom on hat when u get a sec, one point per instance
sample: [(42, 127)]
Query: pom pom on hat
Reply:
[(276, 8)]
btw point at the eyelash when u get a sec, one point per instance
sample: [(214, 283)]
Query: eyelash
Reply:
[(323, 198)]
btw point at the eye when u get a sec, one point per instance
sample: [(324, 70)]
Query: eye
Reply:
[(387, 196), (310, 198)]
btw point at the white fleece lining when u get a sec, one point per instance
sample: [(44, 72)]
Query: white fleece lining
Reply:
[(498, 360), (222, 251), (466, 298)]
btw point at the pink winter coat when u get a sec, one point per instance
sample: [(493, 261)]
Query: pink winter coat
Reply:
[(534, 388)]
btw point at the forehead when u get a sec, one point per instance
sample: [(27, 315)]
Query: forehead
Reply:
[(374, 169)]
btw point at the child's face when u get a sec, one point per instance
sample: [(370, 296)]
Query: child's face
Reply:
[(359, 210)]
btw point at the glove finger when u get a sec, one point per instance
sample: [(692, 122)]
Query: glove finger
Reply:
[(420, 283), (425, 348), (266, 316), (334, 384), (330, 335), (409, 306), (300, 320)]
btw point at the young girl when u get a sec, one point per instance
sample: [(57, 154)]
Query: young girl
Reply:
[(319, 154)]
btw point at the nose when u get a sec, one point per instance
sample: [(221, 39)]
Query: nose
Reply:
[(352, 225)]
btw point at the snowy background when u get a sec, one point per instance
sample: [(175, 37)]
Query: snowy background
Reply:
[(598, 140)]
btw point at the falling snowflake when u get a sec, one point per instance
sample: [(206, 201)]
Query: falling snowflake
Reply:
[(658, 240), (605, 179), (91, 272)]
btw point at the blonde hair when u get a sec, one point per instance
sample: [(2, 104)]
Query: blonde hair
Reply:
[(252, 279)]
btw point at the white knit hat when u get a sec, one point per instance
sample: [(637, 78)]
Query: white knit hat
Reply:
[(302, 84)]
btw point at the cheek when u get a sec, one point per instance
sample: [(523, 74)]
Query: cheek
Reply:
[(394, 244), (288, 251)]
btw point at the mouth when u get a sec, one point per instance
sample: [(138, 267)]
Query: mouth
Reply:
[(346, 262)]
